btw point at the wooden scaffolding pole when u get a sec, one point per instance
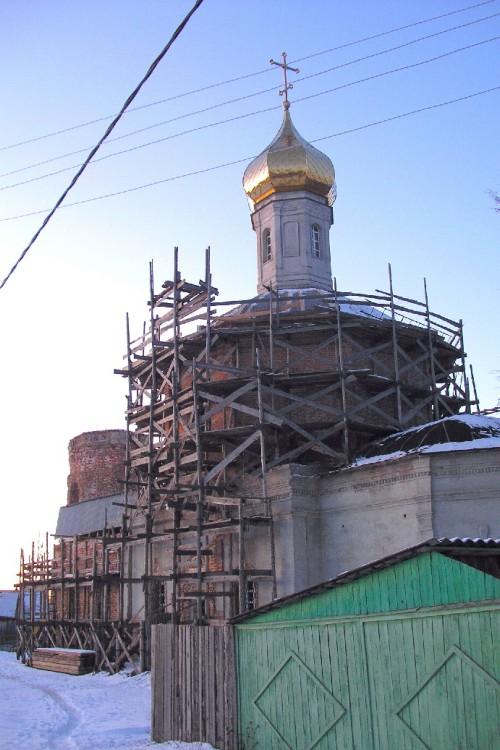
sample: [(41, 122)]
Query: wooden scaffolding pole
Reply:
[(151, 456), (345, 435), (263, 467), (432, 366), (127, 478), (175, 436), (200, 615), (395, 352), (468, 405)]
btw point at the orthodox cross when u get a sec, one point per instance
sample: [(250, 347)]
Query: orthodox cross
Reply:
[(285, 67)]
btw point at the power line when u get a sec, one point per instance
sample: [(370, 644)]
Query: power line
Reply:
[(110, 127), (249, 158), (392, 31), (250, 75), (255, 112), (238, 99), (407, 114), (405, 67), (398, 47)]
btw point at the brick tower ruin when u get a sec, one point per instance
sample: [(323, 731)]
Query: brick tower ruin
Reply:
[(96, 465)]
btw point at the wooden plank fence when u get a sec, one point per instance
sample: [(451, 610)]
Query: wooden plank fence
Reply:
[(193, 680)]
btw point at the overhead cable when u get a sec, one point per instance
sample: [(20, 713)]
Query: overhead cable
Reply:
[(249, 158), (240, 99), (255, 112), (109, 129), (250, 75)]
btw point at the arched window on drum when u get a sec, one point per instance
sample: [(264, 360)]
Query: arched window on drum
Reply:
[(267, 250), (315, 241)]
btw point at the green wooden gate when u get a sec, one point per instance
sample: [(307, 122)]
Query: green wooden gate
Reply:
[(400, 660)]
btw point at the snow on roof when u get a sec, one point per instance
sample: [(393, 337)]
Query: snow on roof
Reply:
[(8, 602), (309, 299), (456, 433)]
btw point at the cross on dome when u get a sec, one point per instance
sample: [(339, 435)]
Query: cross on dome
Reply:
[(285, 67)]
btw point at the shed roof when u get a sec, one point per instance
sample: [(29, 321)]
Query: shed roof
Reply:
[(482, 554), (90, 516)]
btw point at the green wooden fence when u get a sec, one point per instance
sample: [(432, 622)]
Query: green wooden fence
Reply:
[(324, 674)]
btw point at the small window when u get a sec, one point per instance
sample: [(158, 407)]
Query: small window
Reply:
[(267, 252), (315, 243), (251, 595)]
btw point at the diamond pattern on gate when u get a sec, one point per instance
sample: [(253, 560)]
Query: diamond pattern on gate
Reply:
[(297, 705), (437, 713)]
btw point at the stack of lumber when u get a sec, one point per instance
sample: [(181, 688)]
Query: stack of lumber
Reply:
[(67, 660)]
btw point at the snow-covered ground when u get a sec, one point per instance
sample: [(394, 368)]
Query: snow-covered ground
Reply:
[(42, 710)]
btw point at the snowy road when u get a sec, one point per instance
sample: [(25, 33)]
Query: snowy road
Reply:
[(49, 711)]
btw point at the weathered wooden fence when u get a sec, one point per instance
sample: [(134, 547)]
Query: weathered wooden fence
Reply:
[(193, 683)]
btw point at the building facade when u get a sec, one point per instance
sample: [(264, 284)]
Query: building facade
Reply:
[(239, 477)]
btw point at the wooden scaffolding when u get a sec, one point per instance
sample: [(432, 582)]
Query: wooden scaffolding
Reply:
[(216, 401), (67, 599), (221, 393)]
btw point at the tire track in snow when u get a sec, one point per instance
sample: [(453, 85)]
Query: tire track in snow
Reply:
[(63, 718)]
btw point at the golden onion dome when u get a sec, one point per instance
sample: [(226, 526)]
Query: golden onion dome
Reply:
[(289, 163)]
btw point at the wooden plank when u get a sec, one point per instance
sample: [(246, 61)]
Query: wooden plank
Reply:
[(41, 659), (62, 668), (64, 660), (230, 457)]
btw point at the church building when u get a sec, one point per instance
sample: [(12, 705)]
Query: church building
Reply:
[(267, 448)]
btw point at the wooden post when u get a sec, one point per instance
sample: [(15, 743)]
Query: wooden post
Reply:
[(127, 477), (254, 342), (241, 563), (151, 456), (395, 352), (345, 432), (77, 579), (142, 648), (271, 342), (32, 602), (176, 371), (430, 345), (208, 334), (105, 571), (20, 604), (47, 578), (263, 468), (476, 397), (200, 615), (92, 585), (63, 591), (468, 405)]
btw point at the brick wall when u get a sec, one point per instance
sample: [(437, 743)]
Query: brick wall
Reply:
[(75, 566), (96, 465)]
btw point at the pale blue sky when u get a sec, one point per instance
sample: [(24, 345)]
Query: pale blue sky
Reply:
[(412, 192)]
